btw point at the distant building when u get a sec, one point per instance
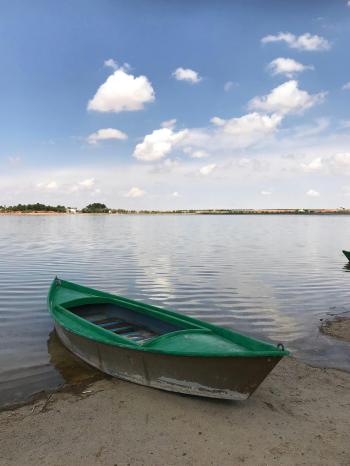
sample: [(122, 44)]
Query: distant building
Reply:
[(71, 210)]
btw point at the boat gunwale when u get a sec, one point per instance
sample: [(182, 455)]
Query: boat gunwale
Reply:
[(110, 338)]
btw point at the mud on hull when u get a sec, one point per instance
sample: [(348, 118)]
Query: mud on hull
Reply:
[(232, 378)]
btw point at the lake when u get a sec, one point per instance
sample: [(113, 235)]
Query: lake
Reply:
[(272, 277)]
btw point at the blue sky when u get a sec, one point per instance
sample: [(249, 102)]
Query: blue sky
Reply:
[(156, 104)]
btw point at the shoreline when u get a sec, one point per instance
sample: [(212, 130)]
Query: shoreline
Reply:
[(4, 214), (298, 416), (337, 327), (318, 212)]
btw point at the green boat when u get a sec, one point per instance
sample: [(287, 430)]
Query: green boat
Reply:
[(156, 347), (346, 254)]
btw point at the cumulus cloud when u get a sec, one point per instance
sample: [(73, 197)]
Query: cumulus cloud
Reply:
[(286, 98), (305, 42), (287, 67), (122, 92), (106, 133), (346, 86), (186, 74), (158, 144), (110, 63), (248, 129), (135, 192), (207, 169), (175, 194), (312, 193)]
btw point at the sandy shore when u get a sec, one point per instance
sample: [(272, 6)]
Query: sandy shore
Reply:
[(338, 327), (299, 416)]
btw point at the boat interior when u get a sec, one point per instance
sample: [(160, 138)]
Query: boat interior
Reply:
[(125, 322)]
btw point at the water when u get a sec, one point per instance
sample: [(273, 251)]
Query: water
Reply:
[(272, 277)]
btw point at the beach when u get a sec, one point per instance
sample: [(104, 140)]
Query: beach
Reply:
[(299, 416)]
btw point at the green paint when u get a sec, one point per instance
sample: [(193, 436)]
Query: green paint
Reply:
[(197, 338)]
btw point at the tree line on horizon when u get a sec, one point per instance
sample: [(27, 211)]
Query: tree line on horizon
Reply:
[(99, 208)]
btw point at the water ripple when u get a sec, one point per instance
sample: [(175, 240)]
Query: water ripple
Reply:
[(270, 277)]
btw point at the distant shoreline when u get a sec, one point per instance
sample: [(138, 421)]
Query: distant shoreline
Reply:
[(32, 213), (191, 212)]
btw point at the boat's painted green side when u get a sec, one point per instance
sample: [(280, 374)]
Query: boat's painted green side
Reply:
[(346, 254), (196, 338)]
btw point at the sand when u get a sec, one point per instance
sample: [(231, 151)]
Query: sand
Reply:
[(299, 416), (338, 327)]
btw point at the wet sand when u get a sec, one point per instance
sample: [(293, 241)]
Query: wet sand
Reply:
[(299, 416), (338, 327)]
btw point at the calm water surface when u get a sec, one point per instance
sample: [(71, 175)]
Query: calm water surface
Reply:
[(272, 277)]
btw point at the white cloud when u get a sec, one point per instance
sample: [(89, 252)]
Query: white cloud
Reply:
[(266, 193), (158, 144), (135, 192), (199, 154), (313, 166), (287, 67), (51, 185), (169, 123), (186, 74), (229, 85), (248, 129), (110, 63), (195, 154), (286, 98), (312, 193), (106, 133), (122, 92), (309, 130), (88, 183), (305, 42), (338, 164), (207, 169), (175, 194), (346, 86)]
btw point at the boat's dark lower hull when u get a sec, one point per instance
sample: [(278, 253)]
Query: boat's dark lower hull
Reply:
[(234, 378), (347, 255)]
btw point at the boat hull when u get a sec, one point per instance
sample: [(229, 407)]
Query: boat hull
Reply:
[(347, 255), (233, 378)]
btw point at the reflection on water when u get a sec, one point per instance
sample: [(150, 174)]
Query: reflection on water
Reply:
[(272, 277), (71, 368)]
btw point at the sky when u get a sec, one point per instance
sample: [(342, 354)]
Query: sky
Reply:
[(171, 105)]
